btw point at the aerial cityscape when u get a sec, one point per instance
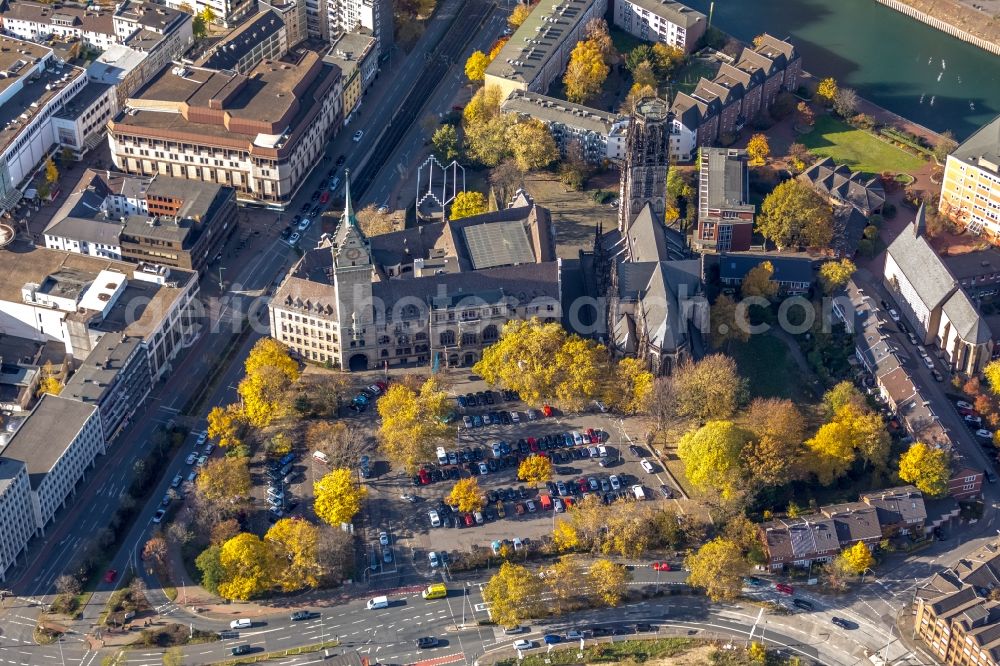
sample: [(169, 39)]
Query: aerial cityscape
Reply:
[(500, 332)]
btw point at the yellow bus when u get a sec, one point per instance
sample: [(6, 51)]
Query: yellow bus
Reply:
[(435, 591)]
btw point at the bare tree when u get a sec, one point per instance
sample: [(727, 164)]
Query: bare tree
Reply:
[(335, 553), (67, 584), (663, 404), (506, 178), (846, 102), (375, 223)]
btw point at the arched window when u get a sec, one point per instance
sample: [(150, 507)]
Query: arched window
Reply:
[(490, 334), (448, 338)]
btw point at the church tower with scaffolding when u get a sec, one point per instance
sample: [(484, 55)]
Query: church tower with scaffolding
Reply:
[(647, 158)]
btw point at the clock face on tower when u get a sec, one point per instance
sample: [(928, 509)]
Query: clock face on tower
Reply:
[(352, 253)]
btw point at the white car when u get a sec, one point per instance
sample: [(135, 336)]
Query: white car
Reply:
[(158, 516), (201, 461), (435, 518), (304, 224), (894, 315), (961, 404), (383, 538), (615, 482), (357, 136), (293, 239), (524, 644), (192, 457), (646, 465), (202, 436), (984, 433), (973, 420), (602, 451), (177, 481), (434, 559), (928, 362), (515, 417)]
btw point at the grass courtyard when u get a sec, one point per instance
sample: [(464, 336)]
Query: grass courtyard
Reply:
[(767, 364), (856, 148)]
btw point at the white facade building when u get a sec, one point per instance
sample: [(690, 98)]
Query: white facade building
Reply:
[(17, 517), (663, 21), (347, 15), (56, 443), (37, 22), (227, 12)]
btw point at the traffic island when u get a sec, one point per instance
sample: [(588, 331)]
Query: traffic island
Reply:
[(257, 657)]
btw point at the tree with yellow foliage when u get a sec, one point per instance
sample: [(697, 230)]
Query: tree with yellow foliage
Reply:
[(467, 204), (562, 580), (338, 497), (294, 546), (586, 72), (927, 468), (580, 363), (50, 382), (631, 387), (513, 593), (711, 457), (247, 567), (712, 388), (718, 567), (484, 105), (269, 353), (412, 422), (758, 150), (758, 281), (466, 495), (832, 451), (667, 59), (535, 469), (725, 325), (224, 480), (532, 144), (270, 370), (827, 89), (856, 559), (495, 51), (565, 536), (609, 581), (834, 274), (757, 653), (475, 66), (518, 16), (225, 425)]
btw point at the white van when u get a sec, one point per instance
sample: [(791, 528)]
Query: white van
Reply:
[(378, 602), (640, 494), (242, 623), (442, 455), (321, 457)]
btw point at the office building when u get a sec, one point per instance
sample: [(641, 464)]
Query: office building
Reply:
[(17, 517), (259, 133), (539, 50), (58, 441), (970, 193), (227, 13), (167, 221), (433, 294), (74, 299), (663, 21), (598, 135), (262, 37), (293, 14), (725, 214)]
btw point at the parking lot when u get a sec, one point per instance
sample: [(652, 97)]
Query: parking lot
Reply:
[(589, 453)]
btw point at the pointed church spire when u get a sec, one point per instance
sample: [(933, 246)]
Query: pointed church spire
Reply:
[(920, 222), (348, 215)]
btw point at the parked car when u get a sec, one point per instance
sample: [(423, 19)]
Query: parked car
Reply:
[(158, 516), (551, 639), (784, 588), (984, 433), (961, 404), (646, 465), (435, 518), (357, 136), (294, 239), (802, 603), (841, 622), (524, 644), (894, 315), (434, 559), (190, 460)]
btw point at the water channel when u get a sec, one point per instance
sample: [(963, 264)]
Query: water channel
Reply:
[(895, 61)]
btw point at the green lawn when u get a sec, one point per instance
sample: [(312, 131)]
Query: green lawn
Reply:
[(623, 41), (856, 148), (765, 362), (688, 76)]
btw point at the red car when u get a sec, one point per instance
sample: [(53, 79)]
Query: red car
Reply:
[(469, 520), (382, 385), (968, 412), (533, 445), (661, 566), (582, 485), (784, 588), (110, 576), (425, 478), (546, 411), (324, 198)]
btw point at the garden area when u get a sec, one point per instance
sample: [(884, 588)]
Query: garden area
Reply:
[(674, 651), (857, 148)]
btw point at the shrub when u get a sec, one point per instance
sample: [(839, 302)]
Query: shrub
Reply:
[(889, 211)]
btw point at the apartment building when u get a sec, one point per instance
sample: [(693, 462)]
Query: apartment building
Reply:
[(259, 133), (720, 108), (17, 518), (725, 214), (350, 15), (598, 135), (115, 377), (970, 193), (227, 13), (356, 55), (262, 37), (794, 275), (538, 51), (293, 14), (957, 617), (167, 221), (38, 22), (930, 299), (664, 21), (432, 294), (74, 299), (58, 441)]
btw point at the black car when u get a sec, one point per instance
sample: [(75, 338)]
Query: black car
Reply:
[(426, 642), (241, 649), (644, 627), (286, 232), (522, 492), (315, 196), (489, 397), (505, 418), (301, 615), (634, 450), (472, 399), (841, 622), (803, 604), (341, 160)]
